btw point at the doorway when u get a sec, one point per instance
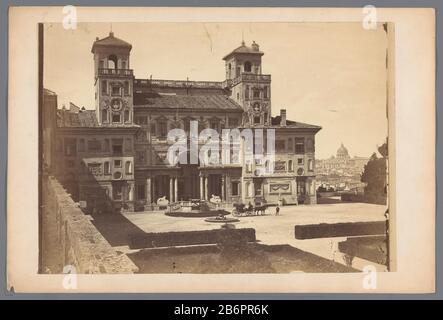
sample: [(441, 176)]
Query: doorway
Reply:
[(215, 185)]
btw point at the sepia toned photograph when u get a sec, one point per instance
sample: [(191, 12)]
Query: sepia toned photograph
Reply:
[(214, 148), (221, 150)]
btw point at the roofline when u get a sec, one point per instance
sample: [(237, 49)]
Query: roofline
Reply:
[(133, 128), (260, 53), (140, 106)]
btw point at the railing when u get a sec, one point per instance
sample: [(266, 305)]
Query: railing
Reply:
[(251, 77), (115, 72), (180, 83), (202, 84)]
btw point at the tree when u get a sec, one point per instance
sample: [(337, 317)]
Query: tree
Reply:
[(375, 177)]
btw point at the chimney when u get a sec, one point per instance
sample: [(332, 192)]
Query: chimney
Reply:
[(283, 117), (255, 46)]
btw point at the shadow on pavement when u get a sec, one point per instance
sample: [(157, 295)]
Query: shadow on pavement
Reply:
[(116, 228)]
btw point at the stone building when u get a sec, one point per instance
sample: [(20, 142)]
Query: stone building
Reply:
[(117, 154)]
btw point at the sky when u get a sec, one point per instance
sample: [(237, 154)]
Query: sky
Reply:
[(328, 74)]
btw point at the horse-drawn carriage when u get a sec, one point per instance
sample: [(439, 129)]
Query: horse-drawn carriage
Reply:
[(240, 209)]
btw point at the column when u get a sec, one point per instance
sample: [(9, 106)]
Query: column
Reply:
[(176, 189), (295, 191), (171, 191), (206, 188), (153, 199), (223, 195), (202, 195), (148, 190), (131, 191)]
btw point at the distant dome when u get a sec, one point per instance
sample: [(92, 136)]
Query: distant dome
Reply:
[(342, 152)]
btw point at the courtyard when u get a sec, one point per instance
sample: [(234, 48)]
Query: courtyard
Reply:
[(271, 230)]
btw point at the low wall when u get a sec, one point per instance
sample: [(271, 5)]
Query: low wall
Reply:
[(79, 242), (347, 229), (183, 238)]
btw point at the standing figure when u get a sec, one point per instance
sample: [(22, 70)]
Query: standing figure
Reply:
[(277, 210)]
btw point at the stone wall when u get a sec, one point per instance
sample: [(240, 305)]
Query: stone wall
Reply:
[(69, 237)]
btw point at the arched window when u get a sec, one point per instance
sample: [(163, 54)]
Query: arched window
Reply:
[(311, 165), (112, 61), (106, 168), (128, 167), (248, 66)]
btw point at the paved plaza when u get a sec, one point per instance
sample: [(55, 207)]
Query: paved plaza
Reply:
[(271, 229)]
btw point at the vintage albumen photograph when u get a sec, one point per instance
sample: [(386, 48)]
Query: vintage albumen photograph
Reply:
[(214, 148)]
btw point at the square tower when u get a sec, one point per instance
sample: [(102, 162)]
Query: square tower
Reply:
[(113, 81), (249, 87)]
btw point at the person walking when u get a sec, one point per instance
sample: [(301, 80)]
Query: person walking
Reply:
[(277, 210)]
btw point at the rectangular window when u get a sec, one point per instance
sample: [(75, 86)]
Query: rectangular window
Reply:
[(126, 87), (105, 116), (234, 188), (256, 93), (117, 163), (280, 145), (265, 92), (115, 90), (247, 93), (257, 120), (104, 87), (102, 64), (163, 129), (128, 144), (126, 116), (300, 161), (94, 145), (106, 168), (290, 145), (153, 129), (70, 146), (117, 146), (81, 145), (106, 145), (299, 145), (141, 192), (116, 118), (141, 156)]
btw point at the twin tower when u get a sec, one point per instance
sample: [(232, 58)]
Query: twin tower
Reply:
[(114, 80)]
